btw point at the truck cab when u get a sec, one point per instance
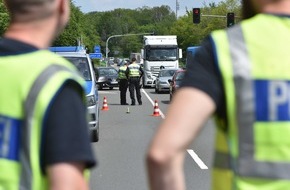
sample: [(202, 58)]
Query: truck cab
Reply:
[(159, 52)]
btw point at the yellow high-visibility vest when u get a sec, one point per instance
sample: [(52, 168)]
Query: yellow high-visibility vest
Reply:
[(28, 83), (253, 153), (122, 72), (134, 70)]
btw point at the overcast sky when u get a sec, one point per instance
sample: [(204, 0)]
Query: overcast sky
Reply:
[(106, 5)]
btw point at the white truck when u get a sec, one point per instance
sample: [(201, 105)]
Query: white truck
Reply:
[(159, 52)]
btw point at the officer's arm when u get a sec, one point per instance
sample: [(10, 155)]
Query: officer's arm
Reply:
[(66, 176), (127, 72), (189, 110), (141, 71)]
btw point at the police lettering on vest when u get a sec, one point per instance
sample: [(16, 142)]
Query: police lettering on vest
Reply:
[(274, 97), (253, 152), (22, 114), (9, 131)]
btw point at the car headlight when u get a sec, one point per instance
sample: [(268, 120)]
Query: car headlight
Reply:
[(149, 75), (102, 79), (91, 101)]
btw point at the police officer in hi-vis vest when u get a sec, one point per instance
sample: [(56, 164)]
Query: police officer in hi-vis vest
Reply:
[(134, 73), (241, 75), (123, 83), (44, 143)]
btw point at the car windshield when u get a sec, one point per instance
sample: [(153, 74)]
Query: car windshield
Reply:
[(107, 71), (179, 75), (82, 65), (167, 73)]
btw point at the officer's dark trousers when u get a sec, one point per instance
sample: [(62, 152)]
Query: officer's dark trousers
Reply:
[(134, 84), (123, 86)]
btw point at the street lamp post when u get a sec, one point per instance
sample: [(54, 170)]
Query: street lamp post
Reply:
[(120, 35), (176, 7)]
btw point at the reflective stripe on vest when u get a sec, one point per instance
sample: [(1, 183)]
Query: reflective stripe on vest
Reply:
[(20, 168), (243, 161), (248, 166), (134, 70), (122, 72), (26, 174)]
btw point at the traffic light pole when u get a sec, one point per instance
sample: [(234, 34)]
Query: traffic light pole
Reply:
[(120, 35), (230, 18), (216, 16)]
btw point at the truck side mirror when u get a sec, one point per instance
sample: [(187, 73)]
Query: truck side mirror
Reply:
[(142, 54), (180, 53)]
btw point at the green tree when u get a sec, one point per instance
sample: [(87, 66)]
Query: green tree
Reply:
[(4, 18), (79, 31)]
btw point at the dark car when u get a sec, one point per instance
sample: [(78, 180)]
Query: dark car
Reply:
[(175, 82), (106, 77)]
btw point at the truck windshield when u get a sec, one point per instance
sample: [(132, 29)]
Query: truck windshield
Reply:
[(82, 65), (161, 54)]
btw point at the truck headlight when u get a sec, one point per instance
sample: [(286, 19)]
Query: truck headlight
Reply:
[(91, 101)]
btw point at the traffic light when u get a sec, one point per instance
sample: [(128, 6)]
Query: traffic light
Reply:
[(230, 19), (196, 15)]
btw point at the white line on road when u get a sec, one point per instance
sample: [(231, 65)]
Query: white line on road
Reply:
[(195, 157), (152, 102), (108, 92)]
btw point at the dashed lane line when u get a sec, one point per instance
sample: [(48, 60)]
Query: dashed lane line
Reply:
[(152, 102), (197, 159), (194, 156)]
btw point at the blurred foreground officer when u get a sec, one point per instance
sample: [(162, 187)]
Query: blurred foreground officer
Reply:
[(249, 93), (44, 139), (134, 72), (123, 83)]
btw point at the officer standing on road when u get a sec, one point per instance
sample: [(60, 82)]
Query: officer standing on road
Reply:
[(134, 72), (123, 83), (44, 143), (234, 75)]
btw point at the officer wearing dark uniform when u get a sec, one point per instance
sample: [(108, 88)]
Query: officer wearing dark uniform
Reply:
[(44, 143), (235, 76), (123, 83), (134, 72)]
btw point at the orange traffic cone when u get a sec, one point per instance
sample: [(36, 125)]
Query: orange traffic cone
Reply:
[(156, 109), (105, 105)]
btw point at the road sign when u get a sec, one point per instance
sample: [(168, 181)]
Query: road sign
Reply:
[(97, 49), (95, 55)]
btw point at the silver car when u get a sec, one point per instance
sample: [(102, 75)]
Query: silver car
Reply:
[(162, 84), (83, 63)]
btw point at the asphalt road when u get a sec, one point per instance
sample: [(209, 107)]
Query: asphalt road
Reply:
[(124, 139)]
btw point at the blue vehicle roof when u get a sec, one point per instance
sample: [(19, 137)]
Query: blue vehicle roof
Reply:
[(192, 48), (67, 49)]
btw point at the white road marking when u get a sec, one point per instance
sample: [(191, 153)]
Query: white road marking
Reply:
[(107, 92), (152, 102), (195, 157)]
